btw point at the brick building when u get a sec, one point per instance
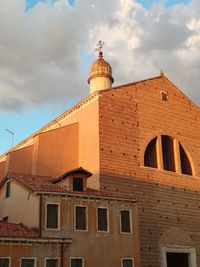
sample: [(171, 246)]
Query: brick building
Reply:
[(139, 139)]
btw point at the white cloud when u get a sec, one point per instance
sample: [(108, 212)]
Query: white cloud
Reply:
[(40, 50)]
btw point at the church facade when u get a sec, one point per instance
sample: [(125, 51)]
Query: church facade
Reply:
[(139, 141)]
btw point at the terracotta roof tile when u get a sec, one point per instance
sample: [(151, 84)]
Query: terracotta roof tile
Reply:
[(44, 184), (37, 183), (15, 230)]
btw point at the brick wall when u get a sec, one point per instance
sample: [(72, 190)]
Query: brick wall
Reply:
[(130, 116)]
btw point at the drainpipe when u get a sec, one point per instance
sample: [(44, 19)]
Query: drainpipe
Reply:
[(40, 216), (61, 255)]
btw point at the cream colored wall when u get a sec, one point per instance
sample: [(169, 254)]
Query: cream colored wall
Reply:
[(99, 83), (21, 207)]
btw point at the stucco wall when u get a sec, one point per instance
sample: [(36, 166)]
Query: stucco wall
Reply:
[(57, 151), (21, 207), (98, 249), (21, 160)]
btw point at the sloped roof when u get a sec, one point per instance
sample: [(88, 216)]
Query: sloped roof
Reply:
[(36, 183), (15, 230), (42, 184), (86, 174)]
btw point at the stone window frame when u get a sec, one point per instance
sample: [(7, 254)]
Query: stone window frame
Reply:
[(127, 259), (131, 221), (78, 258), (28, 258), (86, 217), (9, 260), (47, 228), (178, 249), (54, 258), (108, 221)]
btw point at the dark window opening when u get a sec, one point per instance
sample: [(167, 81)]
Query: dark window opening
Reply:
[(52, 216), (164, 96), (168, 153), (177, 259), (76, 262), (27, 263), (185, 163), (125, 221), (5, 219), (150, 157), (51, 262), (4, 262), (80, 218), (8, 186), (77, 184), (127, 263), (102, 219)]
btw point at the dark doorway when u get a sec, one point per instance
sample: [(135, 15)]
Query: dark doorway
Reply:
[(177, 259)]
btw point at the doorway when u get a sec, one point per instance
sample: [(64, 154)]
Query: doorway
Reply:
[(177, 259)]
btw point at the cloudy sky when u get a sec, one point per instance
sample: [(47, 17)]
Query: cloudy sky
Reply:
[(47, 46)]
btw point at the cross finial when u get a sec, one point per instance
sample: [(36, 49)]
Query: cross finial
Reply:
[(100, 45)]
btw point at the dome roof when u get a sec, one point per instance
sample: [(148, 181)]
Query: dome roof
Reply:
[(100, 68)]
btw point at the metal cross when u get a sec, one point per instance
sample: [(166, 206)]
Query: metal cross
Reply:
[(100, 46)]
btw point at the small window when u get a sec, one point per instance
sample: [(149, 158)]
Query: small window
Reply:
[(4, 262), (164, 96), (80, 216), (52, 219), (125, 221), (51, 263), (8, 186), (77, 184), (127, 263), (5, 219), (27, 262), (102, 219), (76, 262)]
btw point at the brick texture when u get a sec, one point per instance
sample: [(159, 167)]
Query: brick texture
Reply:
[(130, 116)]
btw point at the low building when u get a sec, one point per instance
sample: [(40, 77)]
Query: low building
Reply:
[(67, 223)]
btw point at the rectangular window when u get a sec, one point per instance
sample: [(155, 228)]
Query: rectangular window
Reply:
[(77, 184), (51, 263), (4, 262), (127, 263), (102, 219), (125, 221), (52, 213), (81, 220), (27, 262), (76, 262), (8, 186)]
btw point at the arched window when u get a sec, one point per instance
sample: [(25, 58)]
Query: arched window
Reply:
[(185, 163), (150, 157), (167, 153)]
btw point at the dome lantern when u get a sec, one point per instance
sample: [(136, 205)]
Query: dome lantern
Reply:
[(100, 76)]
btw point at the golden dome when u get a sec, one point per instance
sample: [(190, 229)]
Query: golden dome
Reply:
[(100, 68)]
